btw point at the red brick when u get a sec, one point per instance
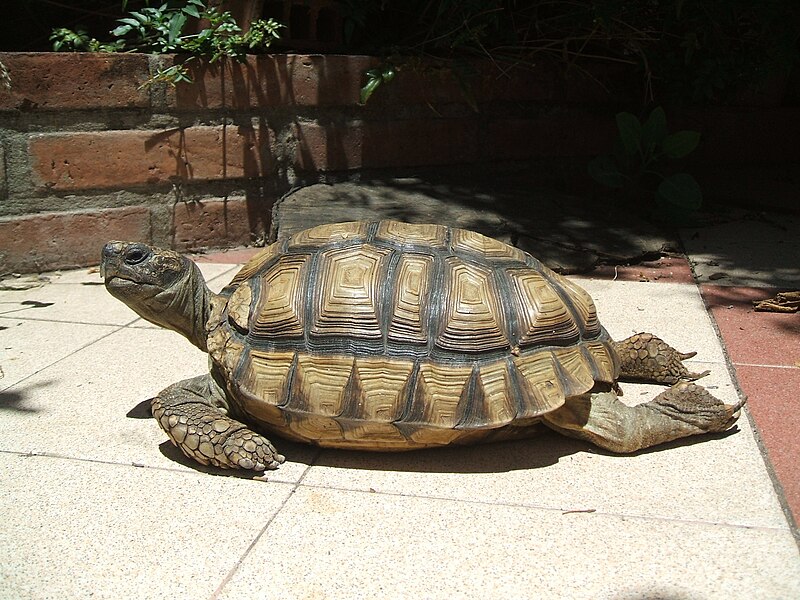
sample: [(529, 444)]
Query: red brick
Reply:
[(117, 159), (372, 144), (566, 132), (483, 81), (213, 223), (54, 80), (271, 81), (331, 80), (64, 240)]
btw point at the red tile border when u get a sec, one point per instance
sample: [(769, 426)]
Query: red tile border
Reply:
[(753, 338), (773, 398)]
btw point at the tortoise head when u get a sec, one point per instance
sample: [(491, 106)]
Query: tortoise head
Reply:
[(160, 285)]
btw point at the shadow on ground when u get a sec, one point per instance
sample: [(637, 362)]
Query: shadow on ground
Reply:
[(544, 450)]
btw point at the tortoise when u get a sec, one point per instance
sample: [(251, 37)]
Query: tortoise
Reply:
[(389, 336)]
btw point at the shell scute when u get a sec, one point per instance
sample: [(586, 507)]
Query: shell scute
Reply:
[(473, 318), (280, 311), (348, 294)]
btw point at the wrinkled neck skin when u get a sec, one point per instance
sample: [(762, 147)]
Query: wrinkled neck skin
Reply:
[(184, 307)]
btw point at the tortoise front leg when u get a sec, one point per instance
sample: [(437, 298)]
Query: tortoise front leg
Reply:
[(191, 414), (645, 357), (683, 410)]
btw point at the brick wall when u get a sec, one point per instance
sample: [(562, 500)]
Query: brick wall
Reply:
[(88, 154)]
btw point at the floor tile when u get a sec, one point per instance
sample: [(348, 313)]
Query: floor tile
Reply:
[(341, 544), (28, 346), (80, 297), (753, 338), (95, 404), (218, 275), (774, 401), (69, 303), (698, 479), (675, 313), (73, 529)]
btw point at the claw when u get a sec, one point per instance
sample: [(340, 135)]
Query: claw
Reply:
[(739, 405), (685, 355), (694, 376)]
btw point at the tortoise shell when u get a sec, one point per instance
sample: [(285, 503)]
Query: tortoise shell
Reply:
[(391, 336)]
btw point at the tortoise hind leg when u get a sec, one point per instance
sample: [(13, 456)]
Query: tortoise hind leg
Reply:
[(683, 410), (191, 413), (645, 357)]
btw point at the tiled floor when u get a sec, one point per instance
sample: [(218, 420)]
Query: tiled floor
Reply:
[(764, 349), (96, 502)]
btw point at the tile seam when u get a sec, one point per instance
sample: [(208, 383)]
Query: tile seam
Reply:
[(66, 356), (199, 471), (564, 511), (300, 483), (42, 320), (787, 367), (235, 568)]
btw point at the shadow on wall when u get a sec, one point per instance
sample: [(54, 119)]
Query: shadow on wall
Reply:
[(262, 83)]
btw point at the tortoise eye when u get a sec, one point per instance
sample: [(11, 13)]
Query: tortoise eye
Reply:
[(135, 255)]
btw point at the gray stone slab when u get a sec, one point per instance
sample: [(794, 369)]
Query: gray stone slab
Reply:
[(343, 544), (757, 252), (567, 233), (74, 529)]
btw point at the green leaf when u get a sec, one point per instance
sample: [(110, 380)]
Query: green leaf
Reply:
[(654, 130), (139, 17), (681, 143), (388, 73), (624, 161), (176, 25), (131, 22), (604, 170), (368, 89), (192, 11), (681, 190), (121, 31), (630, 132)]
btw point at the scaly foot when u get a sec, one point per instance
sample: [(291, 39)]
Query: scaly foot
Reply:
[(695, 406), (187, 413), (645, 357)]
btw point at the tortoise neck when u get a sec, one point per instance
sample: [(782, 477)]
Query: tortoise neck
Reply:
[(188, 307)]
